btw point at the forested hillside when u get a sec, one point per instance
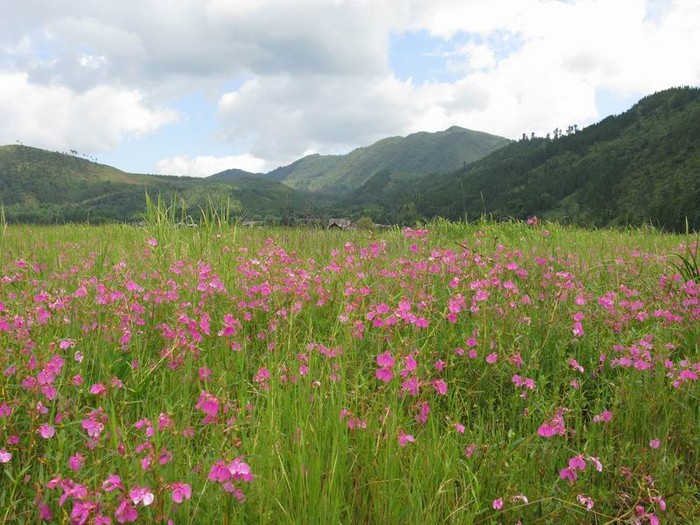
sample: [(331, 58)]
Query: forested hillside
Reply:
[(642, 166), (416, 155), (47, 187)]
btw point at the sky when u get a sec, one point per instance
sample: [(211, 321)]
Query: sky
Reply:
[(194, 87)]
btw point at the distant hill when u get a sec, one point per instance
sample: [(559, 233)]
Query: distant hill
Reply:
[(416, 155), (232, 174), (47, 187), (642, 166)]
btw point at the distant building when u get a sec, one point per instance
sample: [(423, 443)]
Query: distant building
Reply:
[(339, 224)]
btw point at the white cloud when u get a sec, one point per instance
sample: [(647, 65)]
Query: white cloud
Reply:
[(314, 75), (56, 117), (203, 166)]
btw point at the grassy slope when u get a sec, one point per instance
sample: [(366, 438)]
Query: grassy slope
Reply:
[(418, 154), (43, 186), (172, 289), (640, 166)]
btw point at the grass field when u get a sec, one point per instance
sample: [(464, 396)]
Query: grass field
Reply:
[(469, 374)]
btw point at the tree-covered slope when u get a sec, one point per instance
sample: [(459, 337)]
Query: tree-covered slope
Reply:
[(43, 186), (418, 154), (638, 167)]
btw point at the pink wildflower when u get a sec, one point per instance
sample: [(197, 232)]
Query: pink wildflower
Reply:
[(440, 387), (46, 431), (181, 492), (240, 470), (385, 360), (585, 501), (554, 426), (384, 374), (655, 443), (98, 389), (603, 417), (577, 463), (125, 512), (76, 461), (568, 474), (141, 495), (405, 438), (5, 456), (113, 482), (497, 504)]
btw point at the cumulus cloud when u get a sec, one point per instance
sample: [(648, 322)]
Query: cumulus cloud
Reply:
[(59, 118), (203, 166), (315, 75)]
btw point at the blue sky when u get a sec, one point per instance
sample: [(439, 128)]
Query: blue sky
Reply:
[(199, 86)]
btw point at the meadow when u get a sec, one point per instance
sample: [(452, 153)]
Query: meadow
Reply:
[(449, 373)]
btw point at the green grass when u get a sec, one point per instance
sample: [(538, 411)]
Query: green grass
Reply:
[(161, 315)]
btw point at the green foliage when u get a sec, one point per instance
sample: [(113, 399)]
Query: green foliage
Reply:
[(38, 186), (639, 167), (416, 155), (688, 264)]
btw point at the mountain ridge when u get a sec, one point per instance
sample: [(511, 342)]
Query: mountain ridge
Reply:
[(641, 166), (416, 154)]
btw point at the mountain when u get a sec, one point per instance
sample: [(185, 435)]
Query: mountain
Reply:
[(416, 155), (637, 167), (42, 186), (642, 166), (232, 174)]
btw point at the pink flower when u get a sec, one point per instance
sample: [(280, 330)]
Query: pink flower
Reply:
[(497, 504), (603, 417), (585, 501), (405, 438), (92, 427), (596, 462), (45, 512), (125, 512), (98, 389), (492, 358), (440, 387), (519, 497), (5, 456), (577, 463), (113, 482), (219, 472), (655, 443), (181, 492), (208, 404), (46, 431), (76, 462), (384, 374), (141, 495), (204, 373), (568, 474), (385, 360), (240, 470), (470, 449), (458, 427), (554, 426)]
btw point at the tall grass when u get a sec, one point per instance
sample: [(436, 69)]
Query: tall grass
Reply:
[(457, 373)]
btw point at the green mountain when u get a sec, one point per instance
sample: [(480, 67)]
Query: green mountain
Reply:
[(232, 174), (416, 155), (47, 187), (642, 166), (638, 167)]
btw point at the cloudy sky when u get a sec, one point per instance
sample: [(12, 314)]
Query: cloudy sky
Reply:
[(198, 86)]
